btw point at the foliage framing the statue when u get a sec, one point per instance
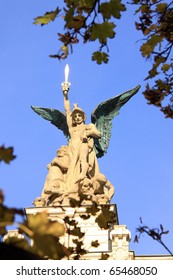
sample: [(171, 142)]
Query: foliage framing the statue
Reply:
[(155, 233), (88, 20), (38, 237), (94, 20), (156, 24)]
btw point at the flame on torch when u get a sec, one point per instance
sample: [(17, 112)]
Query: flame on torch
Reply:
[(66, 73)]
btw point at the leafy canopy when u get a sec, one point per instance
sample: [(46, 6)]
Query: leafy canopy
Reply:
[(95, 21), (38, 236), (85, 20), (156, 24)]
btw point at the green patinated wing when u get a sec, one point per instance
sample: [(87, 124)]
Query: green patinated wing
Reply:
[(103, 115), (56, 117)]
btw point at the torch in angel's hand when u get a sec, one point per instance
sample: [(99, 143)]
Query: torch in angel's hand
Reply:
[(66, 85)]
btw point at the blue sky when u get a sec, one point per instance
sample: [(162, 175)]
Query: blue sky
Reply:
[(139, 158)]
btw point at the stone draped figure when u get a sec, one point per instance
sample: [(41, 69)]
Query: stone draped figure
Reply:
[(74, 172), (83, 161)]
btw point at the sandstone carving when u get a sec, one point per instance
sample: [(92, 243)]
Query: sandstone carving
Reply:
[(74, 173)]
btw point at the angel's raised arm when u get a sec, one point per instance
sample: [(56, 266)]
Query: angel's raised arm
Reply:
[(67, 109)]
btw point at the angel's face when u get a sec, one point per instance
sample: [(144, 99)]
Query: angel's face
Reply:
[(78, 118)]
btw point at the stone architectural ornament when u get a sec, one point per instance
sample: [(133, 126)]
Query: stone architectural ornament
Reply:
[(74, 175)]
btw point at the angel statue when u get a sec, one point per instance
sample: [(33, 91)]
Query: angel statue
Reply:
[(86, 142)]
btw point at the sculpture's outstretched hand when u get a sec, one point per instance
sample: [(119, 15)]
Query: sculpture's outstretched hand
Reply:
[(55, 116), (103, 115)]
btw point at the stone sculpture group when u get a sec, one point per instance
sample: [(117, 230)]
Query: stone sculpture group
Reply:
[(74, 175)]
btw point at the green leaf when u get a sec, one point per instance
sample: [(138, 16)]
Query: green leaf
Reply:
[(48, 245), (144, 8), (18, 242), (162, 85), (148, 47), (152, 73), (161, 7), (102, 31), (168, 112), (86, 5), (165, 67), (106, 10), (154, 95), (6, 154), (150, 29), (41, 225), (112, 8), (47, 17), (76, 22), (100, 57), (7, 217)]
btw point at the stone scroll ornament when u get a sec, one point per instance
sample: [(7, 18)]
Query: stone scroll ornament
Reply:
[(74, 175)]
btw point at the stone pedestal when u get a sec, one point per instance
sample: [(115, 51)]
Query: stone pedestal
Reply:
[(112, 242)]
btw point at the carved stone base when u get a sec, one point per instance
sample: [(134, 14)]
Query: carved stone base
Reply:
[(112, 242)]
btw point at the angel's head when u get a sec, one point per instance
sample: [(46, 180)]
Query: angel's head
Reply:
[(78, 115)]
